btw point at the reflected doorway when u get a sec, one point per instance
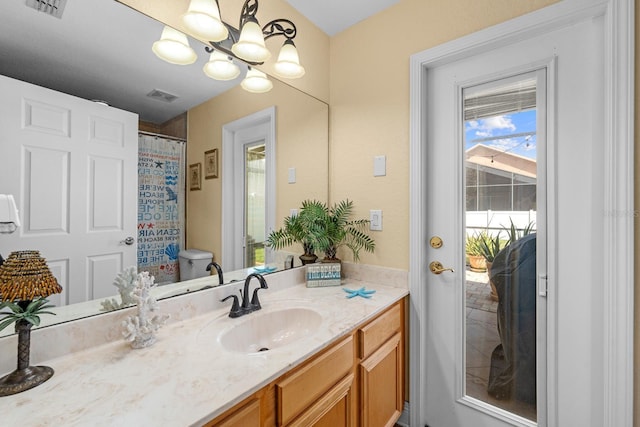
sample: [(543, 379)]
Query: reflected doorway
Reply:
[(254, 204), (248, 190)]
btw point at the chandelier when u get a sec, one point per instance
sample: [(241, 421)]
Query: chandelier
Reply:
[(228, 44)]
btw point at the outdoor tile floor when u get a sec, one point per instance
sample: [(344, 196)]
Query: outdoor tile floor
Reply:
[(482, 338)]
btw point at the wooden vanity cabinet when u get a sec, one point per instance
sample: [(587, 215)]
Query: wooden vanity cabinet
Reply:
[(357, 381), (319, 387), (381, 370), (257, 410)]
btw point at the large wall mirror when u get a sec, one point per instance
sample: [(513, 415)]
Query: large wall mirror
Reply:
[(101, 50)]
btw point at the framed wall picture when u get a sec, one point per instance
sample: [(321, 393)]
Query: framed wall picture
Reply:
[(195, 176), (211, 164)]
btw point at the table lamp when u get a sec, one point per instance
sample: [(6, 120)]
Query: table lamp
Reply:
[(25, 282)]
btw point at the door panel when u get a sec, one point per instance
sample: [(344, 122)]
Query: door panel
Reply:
[(71, 164), (569, 59)]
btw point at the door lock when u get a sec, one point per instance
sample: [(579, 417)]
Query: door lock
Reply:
[(435, 242), (436, 267)]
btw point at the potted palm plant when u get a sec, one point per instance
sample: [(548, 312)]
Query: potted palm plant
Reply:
[(336, 228), (298, 229)]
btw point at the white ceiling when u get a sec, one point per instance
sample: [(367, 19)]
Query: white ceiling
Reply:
[(333, 16), (101, 49)]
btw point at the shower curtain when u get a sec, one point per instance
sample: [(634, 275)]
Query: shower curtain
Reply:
[(161, 206)]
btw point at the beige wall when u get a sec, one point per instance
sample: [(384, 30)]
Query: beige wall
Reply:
[(369, 100), (302, 136)]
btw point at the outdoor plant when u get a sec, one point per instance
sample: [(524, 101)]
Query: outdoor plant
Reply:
[(489, 246), (514, 234), (21, 311), (472, 245)]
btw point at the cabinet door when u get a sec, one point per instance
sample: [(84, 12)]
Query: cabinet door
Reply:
[(247, 416), (381, 385), (332, 410)]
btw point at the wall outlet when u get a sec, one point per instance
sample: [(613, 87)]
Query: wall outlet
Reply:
[(375, 220)]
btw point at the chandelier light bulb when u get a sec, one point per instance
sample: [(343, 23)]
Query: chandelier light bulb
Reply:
[(250, 46), (174, 48), (288, 64), (220, 67), (256, 81), (203, 20)]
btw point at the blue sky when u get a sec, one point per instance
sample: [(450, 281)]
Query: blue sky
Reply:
[(505, 125)]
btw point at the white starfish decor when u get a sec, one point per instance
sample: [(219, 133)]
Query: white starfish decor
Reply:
[(140, 329)]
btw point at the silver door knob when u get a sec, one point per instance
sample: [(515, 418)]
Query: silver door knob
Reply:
[(128, 241)]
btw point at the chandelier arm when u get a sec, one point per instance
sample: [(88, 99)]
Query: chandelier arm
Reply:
[(249, 10), (280, 27), (229, 53)]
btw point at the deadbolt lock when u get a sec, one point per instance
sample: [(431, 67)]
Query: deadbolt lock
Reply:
[(435, 242)]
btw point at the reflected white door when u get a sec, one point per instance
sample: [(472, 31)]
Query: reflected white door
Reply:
[(72, 166), (565, 66), (248, 189)]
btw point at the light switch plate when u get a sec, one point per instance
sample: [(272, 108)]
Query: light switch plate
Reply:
[(379, 165), (292, 175), (375, 220)]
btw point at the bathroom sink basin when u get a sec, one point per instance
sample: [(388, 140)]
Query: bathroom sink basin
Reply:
[(268, 330)]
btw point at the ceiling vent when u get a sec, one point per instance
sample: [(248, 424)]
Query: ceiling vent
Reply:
[(50, 7), (162, 96)]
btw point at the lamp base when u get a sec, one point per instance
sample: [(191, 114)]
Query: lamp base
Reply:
[(24, 379)]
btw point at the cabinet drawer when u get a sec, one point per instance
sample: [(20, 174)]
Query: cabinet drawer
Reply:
[(308, 383), (331, 410), (246, 416), (374, 334)]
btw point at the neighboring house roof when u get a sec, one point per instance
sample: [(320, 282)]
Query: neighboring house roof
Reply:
[(490, 157)]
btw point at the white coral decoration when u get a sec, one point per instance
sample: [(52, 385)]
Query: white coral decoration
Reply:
[(140, 329), (125, 282)]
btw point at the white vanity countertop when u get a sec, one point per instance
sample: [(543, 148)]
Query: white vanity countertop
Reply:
[(186, 378)]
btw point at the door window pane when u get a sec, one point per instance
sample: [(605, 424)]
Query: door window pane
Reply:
[(500, 300)]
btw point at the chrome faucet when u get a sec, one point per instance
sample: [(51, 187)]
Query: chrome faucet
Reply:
[(247, 305), (218, 269)]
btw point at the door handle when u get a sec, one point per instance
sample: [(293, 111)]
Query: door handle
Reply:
[(436, 267), (128, 241)]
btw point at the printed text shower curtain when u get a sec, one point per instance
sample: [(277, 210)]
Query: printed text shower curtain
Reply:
[(161, 202)]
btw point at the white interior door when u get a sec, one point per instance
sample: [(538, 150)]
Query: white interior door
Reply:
[(568, 62), (72, 166)]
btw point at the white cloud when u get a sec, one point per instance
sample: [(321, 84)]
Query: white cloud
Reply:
[(485, 127), (504, 144)]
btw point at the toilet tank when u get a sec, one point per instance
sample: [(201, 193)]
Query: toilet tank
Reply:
[(193, 263)]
